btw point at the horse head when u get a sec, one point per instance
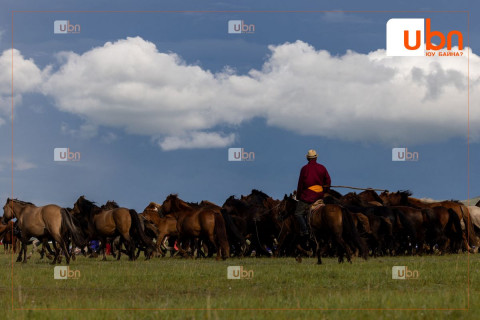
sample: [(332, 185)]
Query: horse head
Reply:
[(173, 204), (83, 206), (110, 205), (7, 211)]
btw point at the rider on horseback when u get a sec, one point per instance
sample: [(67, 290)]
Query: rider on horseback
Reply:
[(313, 178)]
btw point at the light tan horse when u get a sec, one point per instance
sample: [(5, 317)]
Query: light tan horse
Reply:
[(50, 221)]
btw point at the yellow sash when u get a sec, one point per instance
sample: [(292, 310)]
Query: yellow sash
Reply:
[(316, 188)]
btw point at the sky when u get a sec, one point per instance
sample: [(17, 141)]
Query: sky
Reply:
[(152, 101)]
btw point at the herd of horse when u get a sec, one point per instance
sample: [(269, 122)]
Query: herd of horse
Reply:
[(364, 224)]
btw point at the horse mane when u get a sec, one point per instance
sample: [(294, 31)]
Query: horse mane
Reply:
[(21, 202), (334, 193), (153, 204), (405, 195), (236, 202), (260, 194), (88, 205), (372, 193), (177, 203), (207, 203), (110, 205)]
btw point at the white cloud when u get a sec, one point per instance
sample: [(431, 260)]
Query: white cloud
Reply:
[(358, 97), (19, 164), (85, 131), (197, 140), (26, 78), (22, 164)]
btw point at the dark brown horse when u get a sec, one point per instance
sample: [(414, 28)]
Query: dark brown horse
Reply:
[(252, 218), (104, 223), (198, 222), (8, 236), (50, 221), (288, 229)]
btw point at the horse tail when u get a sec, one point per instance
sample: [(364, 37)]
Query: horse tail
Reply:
[(231, 227), (468, 226), (454, 220), (138, 227), (406, 225), (69, 225), (350, 230), (221, 234)]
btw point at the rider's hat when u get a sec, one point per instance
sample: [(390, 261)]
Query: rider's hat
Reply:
[(312, 154)]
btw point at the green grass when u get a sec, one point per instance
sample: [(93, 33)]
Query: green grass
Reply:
[(279, 284)]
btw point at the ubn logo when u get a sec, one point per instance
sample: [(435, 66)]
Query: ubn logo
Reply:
[(411, 37), (402, 273), (64, 273), (239, 154), (237, 273), (64, 26), (402, 154), (238, 26), (64, 154)]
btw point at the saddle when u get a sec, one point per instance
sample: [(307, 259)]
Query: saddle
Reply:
[(316, 205)]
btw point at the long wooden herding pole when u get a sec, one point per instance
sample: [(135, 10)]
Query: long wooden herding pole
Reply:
[(356, 188)]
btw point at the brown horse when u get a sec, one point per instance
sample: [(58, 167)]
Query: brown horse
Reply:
[(50, 221), (333, 222), (370, 197), (201, 221), (166, 226), (107, 223)]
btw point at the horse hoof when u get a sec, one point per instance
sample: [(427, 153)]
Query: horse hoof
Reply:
[(298, 259)]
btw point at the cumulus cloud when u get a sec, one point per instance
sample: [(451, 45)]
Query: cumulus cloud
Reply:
[(197, 140), (27, 77), (370, 97)]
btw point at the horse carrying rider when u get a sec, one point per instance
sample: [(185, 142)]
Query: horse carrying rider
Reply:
[(312, 184)]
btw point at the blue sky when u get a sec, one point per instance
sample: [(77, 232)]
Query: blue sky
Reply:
[(153, 101)]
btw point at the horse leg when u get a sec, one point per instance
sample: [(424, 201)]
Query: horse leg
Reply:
[(217, 248), (103, 242), (24, 247), (342, 248), (317, 237), (129, 245), (57, 253), (118, 246), (64, 246)]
